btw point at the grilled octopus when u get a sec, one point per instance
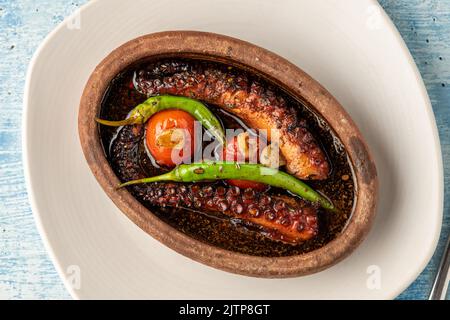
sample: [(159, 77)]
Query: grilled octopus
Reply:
[(283, 218), (257, 105)]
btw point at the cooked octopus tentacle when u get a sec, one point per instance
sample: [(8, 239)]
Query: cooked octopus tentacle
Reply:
[(256, 104), (283, 218)]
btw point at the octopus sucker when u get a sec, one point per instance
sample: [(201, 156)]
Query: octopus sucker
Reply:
[(258, 105)]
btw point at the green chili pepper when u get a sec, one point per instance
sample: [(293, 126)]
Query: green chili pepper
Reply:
[(233, 170), (142, 112)]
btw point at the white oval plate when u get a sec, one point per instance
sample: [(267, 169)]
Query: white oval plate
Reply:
[(351, 48)]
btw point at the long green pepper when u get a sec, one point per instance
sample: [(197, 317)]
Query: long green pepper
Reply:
[(142, 112), (243, 171)]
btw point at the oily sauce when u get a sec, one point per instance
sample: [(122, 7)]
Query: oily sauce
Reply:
[(223, 231)]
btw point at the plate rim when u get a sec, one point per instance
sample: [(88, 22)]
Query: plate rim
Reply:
[(386, 20), (437, 143)]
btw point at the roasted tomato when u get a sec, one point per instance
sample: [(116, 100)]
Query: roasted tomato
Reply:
[(170, 137), (237, 149)]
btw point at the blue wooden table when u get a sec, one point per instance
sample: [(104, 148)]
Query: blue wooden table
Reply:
[(26, 271)]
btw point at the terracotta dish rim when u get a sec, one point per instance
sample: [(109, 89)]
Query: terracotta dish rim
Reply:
[(297, 83)]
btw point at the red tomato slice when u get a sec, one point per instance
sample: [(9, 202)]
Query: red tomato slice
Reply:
[(231, 153), (170, 137)]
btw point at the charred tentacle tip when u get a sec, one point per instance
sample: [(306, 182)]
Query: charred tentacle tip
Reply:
[(142, 112)]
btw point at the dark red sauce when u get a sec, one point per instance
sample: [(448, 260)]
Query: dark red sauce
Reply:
[(223, 231)]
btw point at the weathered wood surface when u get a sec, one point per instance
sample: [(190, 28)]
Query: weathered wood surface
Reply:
[(26, 271)]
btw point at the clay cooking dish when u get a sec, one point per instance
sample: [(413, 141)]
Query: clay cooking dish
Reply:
[(213, 47)]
